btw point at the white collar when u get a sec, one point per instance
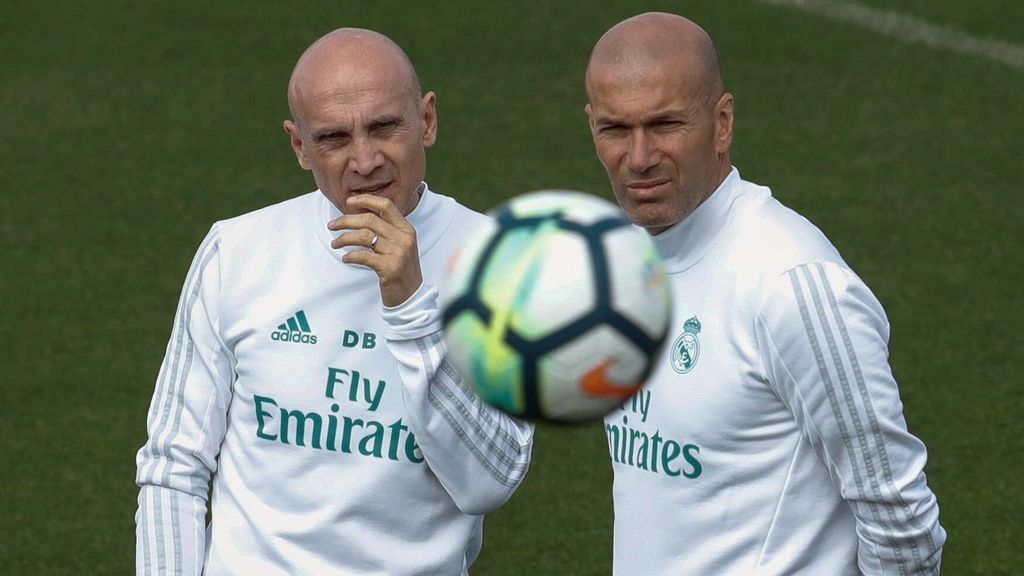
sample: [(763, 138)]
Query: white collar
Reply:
[(689, 240)]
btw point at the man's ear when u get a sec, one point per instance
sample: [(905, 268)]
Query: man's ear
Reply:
[(724, 110), (295, 136), (428, 113)]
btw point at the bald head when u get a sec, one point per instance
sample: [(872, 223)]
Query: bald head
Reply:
[(657, 43), (659, 116), (348, 57), (360, 122)]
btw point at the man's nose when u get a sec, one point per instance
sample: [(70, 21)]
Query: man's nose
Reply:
[(365, 157), (643, 153)]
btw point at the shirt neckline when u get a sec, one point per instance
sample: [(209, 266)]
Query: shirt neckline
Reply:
[(688, 241)]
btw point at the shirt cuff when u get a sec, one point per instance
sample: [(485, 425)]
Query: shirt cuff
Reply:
[(415, 318)]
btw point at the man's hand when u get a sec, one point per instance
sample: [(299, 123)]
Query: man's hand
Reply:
[(394, 255)]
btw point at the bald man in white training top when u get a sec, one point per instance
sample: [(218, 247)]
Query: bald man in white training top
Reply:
[(305, 382), (770, 440)]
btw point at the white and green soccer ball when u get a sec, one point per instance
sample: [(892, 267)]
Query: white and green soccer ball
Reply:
[(557, 309)]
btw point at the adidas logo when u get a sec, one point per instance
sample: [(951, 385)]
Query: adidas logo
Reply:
[(294, 329)]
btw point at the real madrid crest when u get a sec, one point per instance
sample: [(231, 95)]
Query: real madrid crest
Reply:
[(686, 348)]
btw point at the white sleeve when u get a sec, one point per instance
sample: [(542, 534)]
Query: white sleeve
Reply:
[(186, 424), (824, 341), (479, 453)]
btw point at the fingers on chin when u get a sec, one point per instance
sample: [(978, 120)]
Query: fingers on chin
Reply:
[(370, 203), (366, 257)]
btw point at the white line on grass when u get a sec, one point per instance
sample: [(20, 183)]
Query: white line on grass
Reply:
[(910, 29)]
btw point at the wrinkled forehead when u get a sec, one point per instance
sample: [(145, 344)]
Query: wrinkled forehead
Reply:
[(352, 78), (625, 85), (355, 112)]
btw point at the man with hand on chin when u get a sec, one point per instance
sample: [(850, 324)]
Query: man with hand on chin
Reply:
[(306, 380)]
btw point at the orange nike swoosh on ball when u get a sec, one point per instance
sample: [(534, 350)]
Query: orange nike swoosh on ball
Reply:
[(596, 382)]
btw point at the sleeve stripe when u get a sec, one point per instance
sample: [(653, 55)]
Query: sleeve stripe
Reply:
[(160, 411), (172, 400), (884, 492), (513, 469), (158, 525), (470, 403), (199, 545), (161, 546), (883, 455), (830, 389), (144, 532), (456, 386), (508, 469), (178, 391), (509, 455), (189, 279), (176, 530), (508, 474)]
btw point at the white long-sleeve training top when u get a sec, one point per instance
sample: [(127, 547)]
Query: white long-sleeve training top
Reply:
[(336, 438), (770, 439)]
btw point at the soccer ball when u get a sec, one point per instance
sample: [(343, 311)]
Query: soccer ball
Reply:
[(557, 309)]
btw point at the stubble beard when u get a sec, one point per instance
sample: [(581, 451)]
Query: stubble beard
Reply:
[(656, 215)]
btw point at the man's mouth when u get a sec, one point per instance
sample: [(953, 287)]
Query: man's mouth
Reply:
[(369, 188), (642, 186)]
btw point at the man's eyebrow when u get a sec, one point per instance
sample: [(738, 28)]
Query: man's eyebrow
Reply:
[(386, 119), (325, 133), (606, 119), (331, 132), (673, 114), (677, 114)]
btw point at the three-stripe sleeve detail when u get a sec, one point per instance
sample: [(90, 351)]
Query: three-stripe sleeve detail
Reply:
[(171, 383), (165, 422), (860, 456), (162, 550), (873, 425), (494, 447)]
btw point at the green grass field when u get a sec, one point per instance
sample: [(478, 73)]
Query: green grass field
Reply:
[(128, 128)]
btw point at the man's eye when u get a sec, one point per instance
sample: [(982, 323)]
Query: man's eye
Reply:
[(334, 138), (613, 130), (384, 128)]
